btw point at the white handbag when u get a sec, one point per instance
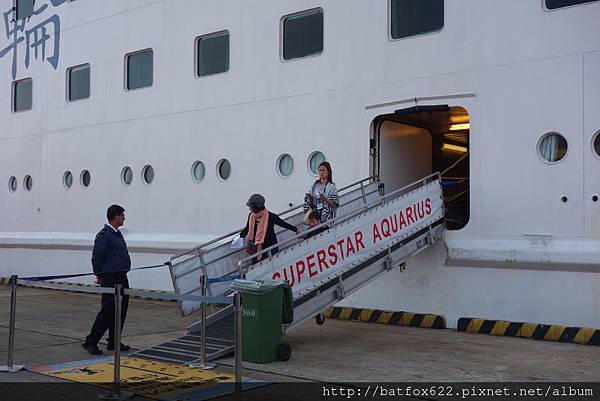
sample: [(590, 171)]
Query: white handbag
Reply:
[(237, 242)]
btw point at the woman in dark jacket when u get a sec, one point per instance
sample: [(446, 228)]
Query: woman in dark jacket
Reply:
[(260, 227)]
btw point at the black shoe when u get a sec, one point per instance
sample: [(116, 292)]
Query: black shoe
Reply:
[(111, 346), (91, 348)]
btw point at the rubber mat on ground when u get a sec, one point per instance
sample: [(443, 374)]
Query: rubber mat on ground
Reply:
[(148, 378)]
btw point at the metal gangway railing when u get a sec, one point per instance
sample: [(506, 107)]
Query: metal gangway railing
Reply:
[(215, 259), (357, 246)]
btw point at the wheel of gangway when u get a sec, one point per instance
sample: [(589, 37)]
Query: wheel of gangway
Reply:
[(320, 319), (284, 352)]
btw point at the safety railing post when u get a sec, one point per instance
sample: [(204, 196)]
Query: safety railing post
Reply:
[(10, 368), (203, 364), (237, 304), (116, 393), (363, 196)]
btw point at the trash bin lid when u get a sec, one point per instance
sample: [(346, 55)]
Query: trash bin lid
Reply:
[(255, 287)]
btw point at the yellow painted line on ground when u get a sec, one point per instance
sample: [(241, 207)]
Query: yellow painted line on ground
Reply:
[(152, 379), (500, 328)]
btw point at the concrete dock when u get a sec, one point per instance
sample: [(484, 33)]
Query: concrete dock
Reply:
[(50, 326)]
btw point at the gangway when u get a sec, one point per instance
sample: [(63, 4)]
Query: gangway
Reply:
[(371, 234), (216, 259)]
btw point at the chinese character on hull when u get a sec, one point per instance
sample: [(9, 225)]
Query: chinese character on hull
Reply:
[(37, 36)]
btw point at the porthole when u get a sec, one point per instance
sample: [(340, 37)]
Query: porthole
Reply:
[(12, 184), (148, 174), (224, 169), (67, 179), (85, 178), (198, 171), (126, 176), (28, 183), (596, 143), (314, 160), (285, 165), (552, 147)]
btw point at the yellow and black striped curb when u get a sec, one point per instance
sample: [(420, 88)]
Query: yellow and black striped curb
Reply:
[(398, 318), (131, 296), (4, 281), (546, 332)]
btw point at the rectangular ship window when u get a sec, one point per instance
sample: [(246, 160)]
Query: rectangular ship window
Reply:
[(415, 17), (554, 4), (22, 98), (78, 81), (303, 34), (212, 52), (24, 8), (139, 69)]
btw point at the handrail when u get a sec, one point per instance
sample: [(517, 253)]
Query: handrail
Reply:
[(233, 252), (463, 157), (336, 221), (222, 237)]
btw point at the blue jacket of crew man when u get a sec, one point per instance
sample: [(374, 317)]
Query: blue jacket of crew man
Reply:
[(110, 254)]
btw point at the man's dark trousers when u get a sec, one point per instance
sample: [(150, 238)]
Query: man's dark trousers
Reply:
[(106, 317)]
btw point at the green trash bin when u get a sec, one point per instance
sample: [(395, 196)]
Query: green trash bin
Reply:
[(265, 307)]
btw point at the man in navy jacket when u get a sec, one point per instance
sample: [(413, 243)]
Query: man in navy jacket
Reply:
[(111, 262)]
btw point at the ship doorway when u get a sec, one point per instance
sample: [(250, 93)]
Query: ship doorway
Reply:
[(415, 142)]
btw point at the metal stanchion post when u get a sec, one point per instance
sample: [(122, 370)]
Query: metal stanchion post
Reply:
[(116, 393), (10, 368), (203, 364), (237, 304)]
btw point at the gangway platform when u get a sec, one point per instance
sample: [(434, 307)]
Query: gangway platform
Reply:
[(372, 233)]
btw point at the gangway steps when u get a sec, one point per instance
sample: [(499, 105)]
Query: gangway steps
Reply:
[(186, 349)]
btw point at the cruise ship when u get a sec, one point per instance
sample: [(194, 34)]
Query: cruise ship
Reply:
[(178, 110)]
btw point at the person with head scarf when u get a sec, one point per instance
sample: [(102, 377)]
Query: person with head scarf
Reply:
[(260, 227)]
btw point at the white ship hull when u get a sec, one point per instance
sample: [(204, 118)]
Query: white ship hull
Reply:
[(518, 70)]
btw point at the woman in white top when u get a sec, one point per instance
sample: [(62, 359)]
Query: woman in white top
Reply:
[(323, 197)]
